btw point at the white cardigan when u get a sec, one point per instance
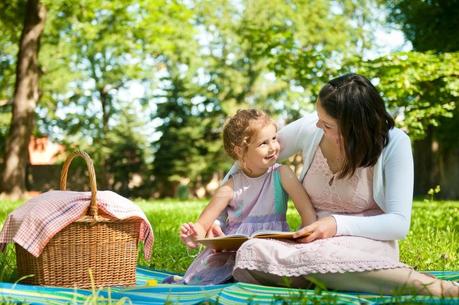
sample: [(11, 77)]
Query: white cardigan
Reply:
[(392, 180)]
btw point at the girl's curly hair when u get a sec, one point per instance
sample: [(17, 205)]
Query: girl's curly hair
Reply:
[(240, 129)]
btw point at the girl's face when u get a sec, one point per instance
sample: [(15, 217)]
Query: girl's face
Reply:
[(328, 124), (262, 152)]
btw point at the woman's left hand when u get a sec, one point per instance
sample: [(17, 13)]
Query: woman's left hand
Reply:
[(322, 228)]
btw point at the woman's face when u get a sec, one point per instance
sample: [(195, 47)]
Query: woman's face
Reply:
[(328, 124)]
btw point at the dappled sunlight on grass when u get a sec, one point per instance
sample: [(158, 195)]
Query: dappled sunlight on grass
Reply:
[(433, 240), (432, 244)]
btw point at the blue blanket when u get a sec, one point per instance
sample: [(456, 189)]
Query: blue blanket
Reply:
[(149, 290)]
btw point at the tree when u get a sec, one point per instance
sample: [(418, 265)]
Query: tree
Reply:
[(246, 56), (10, 33), (101, 51), (103, 58), (10, 13), (195, 61), (431, 26), (26, 95), (128, 161), (421, 89), (91, 54)]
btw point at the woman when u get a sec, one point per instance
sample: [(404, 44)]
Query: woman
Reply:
[(358, 171)]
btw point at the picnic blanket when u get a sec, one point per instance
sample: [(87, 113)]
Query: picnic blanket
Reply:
[(149, 291)]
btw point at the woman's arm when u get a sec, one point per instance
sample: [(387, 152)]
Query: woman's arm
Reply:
[(298, 195), (394, 223), (292, 136), (398, 175)]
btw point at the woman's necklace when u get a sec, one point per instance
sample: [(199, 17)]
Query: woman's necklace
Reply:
[(331, 180), (334, 164), (335, 169)]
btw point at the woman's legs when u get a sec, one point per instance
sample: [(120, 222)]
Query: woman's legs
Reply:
[(263, 278), (389, 281)]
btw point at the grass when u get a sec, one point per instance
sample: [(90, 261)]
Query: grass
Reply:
[(432, 244)]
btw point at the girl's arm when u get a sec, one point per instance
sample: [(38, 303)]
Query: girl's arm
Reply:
[(189, 232), (298, 195)]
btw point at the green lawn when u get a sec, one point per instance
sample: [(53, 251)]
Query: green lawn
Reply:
[(433, 242)]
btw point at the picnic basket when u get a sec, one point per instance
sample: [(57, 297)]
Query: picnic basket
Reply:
[(94, 251)]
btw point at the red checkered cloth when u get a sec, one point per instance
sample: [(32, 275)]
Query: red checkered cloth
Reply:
[(33, 224)]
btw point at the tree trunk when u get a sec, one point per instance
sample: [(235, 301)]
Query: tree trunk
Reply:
[(449, 174), (425, 170), (26, 95)]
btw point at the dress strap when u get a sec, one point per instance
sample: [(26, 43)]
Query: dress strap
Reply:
[(280, 196)]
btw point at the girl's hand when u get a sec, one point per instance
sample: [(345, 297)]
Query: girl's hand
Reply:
[(322, 228), (215, 231), (190, 232)]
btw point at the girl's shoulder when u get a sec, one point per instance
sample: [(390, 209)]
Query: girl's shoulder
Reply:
[(229, 183), (285, 172), (225, 190), (288, 178)]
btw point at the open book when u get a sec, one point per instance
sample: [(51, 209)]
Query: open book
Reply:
[(233, 242)]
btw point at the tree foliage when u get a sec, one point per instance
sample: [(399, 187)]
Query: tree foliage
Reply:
[(145, 86), (429, 25), (432, 26), (10, 12), (245, 56), (111, 51), (420, 88)]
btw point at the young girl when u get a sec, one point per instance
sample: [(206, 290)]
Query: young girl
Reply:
[(254, 198)]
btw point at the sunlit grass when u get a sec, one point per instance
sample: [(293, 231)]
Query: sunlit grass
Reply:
[(432, 244), (433, 241)]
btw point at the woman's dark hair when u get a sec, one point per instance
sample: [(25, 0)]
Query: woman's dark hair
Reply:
[(362, 118)]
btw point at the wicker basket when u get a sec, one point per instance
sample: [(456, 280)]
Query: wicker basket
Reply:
[(105, 248)]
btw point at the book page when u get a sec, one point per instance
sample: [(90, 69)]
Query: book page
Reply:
[(228, 243), (233, 242), (274, 234)]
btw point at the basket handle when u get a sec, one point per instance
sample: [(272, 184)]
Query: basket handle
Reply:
[(92, 178)]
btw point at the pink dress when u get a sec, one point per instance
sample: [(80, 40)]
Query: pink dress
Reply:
[(351, 196), (258, 204)]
